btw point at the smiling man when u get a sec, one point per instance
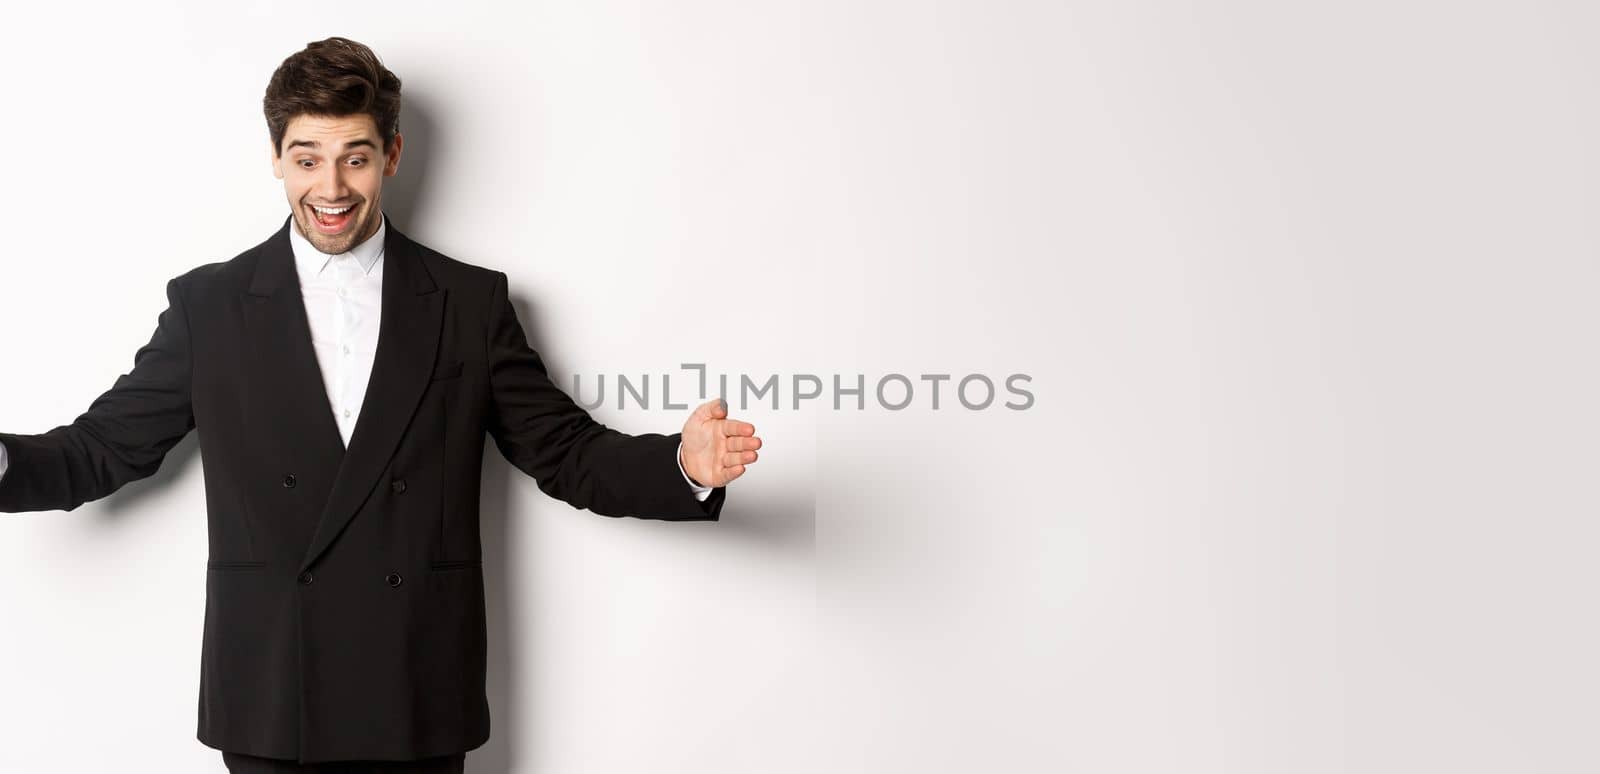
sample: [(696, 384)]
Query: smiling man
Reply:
[(316, 142), (343, 377)]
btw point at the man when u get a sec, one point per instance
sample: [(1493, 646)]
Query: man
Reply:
[(342, 377)]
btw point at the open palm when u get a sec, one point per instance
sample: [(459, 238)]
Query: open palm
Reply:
[(716, 449)]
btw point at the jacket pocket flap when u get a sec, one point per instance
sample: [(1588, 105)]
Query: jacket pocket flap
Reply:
[(216, 564), (454, 564)]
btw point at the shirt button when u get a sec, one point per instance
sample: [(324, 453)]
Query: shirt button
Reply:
[(347, 413), (305, 578), (288, 481), (347, 349)]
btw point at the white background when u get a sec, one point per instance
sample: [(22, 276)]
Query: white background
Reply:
[(1307, 293)]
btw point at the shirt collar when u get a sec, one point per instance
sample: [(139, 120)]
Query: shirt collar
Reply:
[(309, 262)]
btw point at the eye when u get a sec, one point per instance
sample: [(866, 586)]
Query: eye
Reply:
[(358, 161), (304, 162)]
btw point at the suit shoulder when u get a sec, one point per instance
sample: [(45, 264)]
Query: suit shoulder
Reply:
[(211, 278), (455, 273), (206, 272)]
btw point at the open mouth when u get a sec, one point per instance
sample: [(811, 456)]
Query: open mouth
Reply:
[(332, 220)]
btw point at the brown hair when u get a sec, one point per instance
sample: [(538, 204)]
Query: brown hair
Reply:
[(333, 77)]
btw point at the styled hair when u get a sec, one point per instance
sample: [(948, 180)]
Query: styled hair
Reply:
[(334, 77)]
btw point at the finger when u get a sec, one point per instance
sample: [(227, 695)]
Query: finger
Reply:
[(731, 459), (735, 427), (729, 474), (716, 408), (741, 443)]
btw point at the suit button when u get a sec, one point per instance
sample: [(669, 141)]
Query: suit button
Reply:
[(393, 578), (288, 481), (398, 486), (305, 578)]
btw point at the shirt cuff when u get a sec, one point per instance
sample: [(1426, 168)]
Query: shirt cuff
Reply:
[(4, 461), (700, 492)]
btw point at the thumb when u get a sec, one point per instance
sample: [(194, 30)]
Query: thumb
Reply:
[(716, 408)]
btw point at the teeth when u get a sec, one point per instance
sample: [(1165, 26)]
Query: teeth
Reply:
[(330, 211)]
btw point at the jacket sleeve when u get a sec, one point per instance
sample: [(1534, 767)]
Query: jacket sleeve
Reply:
[(700, 492), (547, 435), (122, 437)]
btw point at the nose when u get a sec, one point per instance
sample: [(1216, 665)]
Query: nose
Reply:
[(329, 186)]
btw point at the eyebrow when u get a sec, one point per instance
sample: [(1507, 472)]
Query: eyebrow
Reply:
[(347, 146)]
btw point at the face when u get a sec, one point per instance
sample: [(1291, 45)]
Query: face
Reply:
[(338, 164)]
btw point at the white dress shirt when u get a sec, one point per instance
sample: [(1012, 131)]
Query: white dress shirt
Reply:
[(344, 303)]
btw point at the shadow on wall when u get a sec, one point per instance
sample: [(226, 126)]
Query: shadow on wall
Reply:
[(406, 193), (774, 518)]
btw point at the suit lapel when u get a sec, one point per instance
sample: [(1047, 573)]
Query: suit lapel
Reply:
[(291, 392), (286, 402), (408, 343)]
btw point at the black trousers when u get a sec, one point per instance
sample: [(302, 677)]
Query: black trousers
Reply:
[(239, 763)]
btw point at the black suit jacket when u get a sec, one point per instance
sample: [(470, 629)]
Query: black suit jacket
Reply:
[(344, 588)]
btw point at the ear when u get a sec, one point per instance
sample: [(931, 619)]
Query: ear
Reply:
[(391, 162), (277, 161)]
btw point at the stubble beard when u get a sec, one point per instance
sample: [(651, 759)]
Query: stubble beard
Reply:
[(334, 245)]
